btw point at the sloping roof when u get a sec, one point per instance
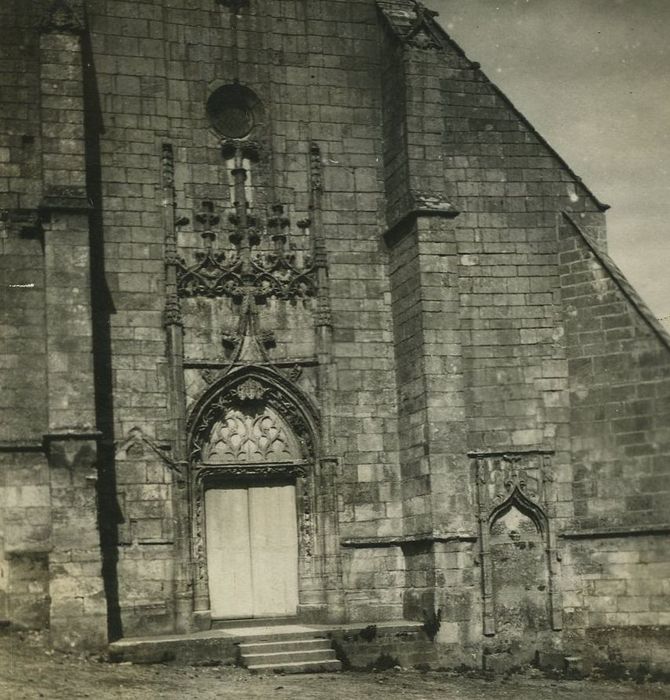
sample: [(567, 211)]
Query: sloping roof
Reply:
[(624, 285), (413, 23)]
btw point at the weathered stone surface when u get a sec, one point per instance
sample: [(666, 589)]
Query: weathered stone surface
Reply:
[(312, 244)]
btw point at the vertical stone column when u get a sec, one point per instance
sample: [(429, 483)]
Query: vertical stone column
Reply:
[(327, 522), (78, 614), (184, 603), (423, 266), (425, 298)]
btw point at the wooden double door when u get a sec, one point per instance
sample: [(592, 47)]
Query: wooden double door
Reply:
[(252, 550)]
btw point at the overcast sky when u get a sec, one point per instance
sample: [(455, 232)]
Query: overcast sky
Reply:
[(593, 77)]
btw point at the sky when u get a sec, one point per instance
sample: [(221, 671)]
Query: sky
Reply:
[(593, 77)]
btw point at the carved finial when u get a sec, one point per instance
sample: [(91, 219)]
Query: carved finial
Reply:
[(172, 313), (167, 163), (315, 170), (423, 34), (278, 224), (250, 390), (422, 11), (324, 316)]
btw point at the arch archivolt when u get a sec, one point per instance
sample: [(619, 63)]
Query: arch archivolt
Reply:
[(252, 415)]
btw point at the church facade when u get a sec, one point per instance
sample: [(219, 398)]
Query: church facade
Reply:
[(302, 320)]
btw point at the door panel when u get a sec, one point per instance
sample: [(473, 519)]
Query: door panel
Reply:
[(252, 551), (274, 561), (228, 552)]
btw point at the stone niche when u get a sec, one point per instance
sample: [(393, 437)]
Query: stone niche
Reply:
[(519, 575), (518, 554)]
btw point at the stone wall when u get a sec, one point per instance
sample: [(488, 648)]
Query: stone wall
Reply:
[(619, 387), (617, 559), (456, 319)]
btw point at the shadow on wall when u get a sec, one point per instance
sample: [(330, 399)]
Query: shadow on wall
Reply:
[(109, 513)]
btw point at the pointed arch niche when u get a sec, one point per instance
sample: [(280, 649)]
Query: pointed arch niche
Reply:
[(519, 559), (252, 435)]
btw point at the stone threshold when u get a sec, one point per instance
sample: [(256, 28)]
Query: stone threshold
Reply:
[(216, 647), (242, 632)]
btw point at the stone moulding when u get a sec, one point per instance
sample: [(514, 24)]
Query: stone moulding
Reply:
[(134, 446), (222, 473), (399, 540), (22, 220), (417, 205), (65, 198), (652, 529), (21, 446)]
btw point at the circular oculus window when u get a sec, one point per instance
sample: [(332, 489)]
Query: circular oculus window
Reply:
[(230, 110)]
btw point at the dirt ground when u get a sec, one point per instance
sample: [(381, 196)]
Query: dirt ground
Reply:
[(28, 669)]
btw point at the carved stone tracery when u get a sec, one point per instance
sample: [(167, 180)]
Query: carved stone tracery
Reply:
[(255, 398), (249, 437), (249, 273), (276, 274), (249, 424)]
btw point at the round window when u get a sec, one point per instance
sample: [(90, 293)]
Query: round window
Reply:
[(231, 110)]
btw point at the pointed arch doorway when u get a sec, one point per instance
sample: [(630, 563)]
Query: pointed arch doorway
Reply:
[(250, 466), (252, 549)]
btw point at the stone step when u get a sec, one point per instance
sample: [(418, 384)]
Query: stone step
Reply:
[(271, 634), (298, 667), (250, 623), (287, 657), (284, 645)]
